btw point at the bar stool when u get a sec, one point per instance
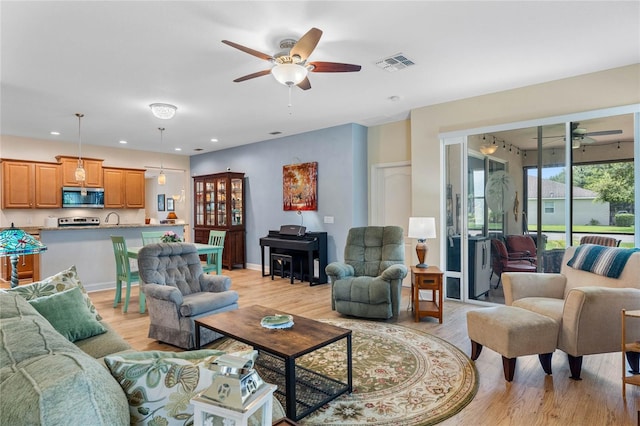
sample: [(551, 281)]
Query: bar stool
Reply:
[(282, 259)]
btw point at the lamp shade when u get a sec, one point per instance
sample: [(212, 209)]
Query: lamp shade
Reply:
[(18, 242), (422, 227), (15, 242), (289, 74)]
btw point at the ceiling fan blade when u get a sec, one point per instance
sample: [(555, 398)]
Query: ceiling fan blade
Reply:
[(254, 75), (333, 67), (249, 50), (304, 84), (603, 133), (306, 44)]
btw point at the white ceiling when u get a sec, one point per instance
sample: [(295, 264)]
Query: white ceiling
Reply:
[(110, 60)]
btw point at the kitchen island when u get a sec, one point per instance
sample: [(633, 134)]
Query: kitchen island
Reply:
[(91, 250)]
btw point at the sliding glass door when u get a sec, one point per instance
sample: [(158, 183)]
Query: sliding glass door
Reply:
[(555, 181)]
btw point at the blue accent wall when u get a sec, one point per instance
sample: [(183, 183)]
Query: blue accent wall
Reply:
[(341, 153)]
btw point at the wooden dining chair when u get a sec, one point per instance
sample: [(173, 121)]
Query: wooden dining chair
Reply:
[(150, 237), (125, 274), (216, 238)]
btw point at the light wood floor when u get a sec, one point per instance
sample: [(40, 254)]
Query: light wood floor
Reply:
[(533, 398)]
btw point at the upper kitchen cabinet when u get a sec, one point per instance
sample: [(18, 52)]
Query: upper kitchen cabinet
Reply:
[(123, 188), (92, 167), (28, 185)]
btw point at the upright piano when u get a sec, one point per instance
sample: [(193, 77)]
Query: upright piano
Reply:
[(295, 241)]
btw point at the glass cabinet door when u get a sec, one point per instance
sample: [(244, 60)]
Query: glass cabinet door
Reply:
[(210, 202), (236, 202), (221, 208), (199, 204)]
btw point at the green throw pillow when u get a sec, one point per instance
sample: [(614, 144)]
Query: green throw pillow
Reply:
[(68, 314), (63, 280)]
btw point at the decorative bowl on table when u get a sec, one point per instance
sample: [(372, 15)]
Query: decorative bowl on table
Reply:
[(277, 321)]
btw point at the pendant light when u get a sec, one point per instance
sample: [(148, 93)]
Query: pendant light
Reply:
[(162, 178), (80, 173)]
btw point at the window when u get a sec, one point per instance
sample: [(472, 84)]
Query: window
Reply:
[(549, 207)]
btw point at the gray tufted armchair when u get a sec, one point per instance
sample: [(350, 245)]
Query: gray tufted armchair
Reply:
[(178, 292), (369, 282)]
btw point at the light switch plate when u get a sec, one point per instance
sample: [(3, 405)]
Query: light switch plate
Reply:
[(328, 219)]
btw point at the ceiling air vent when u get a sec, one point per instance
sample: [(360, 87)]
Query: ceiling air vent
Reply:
[(395, 63)]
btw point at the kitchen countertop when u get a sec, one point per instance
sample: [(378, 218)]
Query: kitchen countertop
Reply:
[(37, 229)]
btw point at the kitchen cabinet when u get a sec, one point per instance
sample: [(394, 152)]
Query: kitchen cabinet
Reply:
[(219, 204), (92, 167), (28, 184), (123, 188)]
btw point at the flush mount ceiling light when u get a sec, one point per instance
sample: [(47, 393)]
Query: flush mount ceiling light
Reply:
[(163, 111), (289, 74)]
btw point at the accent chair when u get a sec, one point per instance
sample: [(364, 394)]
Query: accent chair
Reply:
[(368, 283), (583, 302), (178, 292)]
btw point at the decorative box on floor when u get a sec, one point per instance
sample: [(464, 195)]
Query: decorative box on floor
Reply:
[(205, 410)]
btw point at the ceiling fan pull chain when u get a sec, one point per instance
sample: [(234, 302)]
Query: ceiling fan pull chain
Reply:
[(290, 104)]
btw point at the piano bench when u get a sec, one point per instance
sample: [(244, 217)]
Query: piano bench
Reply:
[(282, 259)]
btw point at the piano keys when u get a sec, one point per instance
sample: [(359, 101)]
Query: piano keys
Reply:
[(293, 240)]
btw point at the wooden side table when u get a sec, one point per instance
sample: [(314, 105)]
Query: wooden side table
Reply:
[(634, 348), (204, 409), (427, 279)]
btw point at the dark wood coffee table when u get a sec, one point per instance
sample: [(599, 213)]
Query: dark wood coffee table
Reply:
[(304, 391)]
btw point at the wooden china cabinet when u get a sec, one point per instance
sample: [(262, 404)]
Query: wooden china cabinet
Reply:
[(219, 204)]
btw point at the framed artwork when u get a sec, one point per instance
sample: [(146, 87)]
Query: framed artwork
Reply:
[(300, 186), (170, 205), (160, 202)]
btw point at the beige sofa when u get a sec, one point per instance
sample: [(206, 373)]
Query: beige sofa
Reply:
[(586, 305)]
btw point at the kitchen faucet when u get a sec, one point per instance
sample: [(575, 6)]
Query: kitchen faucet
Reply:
[(106, 219)]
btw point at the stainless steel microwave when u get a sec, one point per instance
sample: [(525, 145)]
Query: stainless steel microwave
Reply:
[(72, 197)]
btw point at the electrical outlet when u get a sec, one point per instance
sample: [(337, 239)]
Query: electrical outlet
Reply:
[(328, 219)]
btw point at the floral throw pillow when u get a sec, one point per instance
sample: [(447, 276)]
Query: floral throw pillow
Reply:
[(159, 385), (62, 281)]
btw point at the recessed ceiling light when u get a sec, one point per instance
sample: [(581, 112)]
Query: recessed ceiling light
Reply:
[(123, 142), (177, 149), (55, 133), (214, 140)]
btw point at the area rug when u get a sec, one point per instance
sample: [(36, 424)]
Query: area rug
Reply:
[(400, 376)]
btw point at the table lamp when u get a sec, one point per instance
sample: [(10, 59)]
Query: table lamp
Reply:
[(15, 242), (422, 228)]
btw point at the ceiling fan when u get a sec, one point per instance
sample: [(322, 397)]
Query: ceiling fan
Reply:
[(581, 136), (290, 65)]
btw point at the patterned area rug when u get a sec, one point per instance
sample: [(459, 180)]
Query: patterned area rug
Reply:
[(400, 376)]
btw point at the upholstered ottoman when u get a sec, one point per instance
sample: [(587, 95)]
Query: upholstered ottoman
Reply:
[(512, 332)]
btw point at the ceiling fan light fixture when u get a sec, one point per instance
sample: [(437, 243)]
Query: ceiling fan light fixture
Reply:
[(488, 149), (289, 74), (575, 144), (163, 111)]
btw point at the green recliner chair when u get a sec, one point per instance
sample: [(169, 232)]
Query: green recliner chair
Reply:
[(369, 282)]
